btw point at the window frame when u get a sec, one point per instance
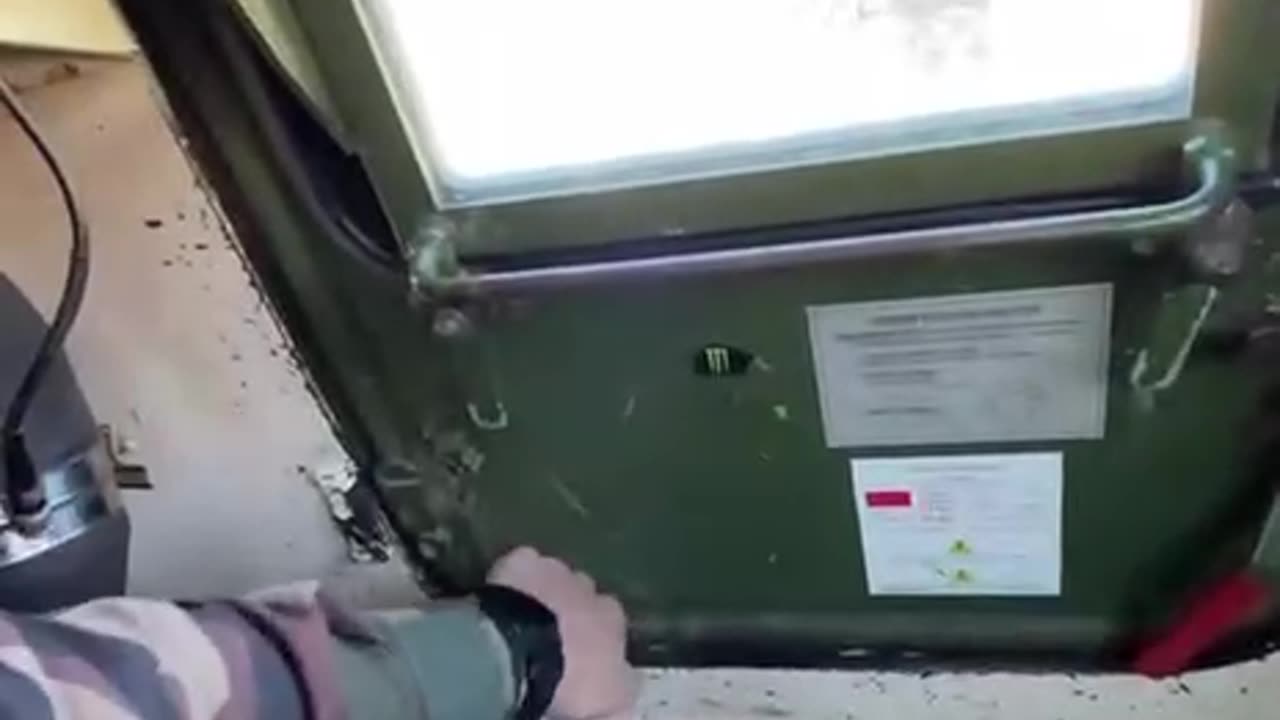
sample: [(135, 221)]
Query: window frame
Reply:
[(1234, 82)]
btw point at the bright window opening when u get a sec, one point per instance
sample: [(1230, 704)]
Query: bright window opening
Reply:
[(513, 99)]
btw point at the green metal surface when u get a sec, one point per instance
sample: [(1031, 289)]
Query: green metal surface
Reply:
[(708, 506), (712, 505)]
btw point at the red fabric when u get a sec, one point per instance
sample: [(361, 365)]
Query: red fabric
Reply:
[(1209, 619)]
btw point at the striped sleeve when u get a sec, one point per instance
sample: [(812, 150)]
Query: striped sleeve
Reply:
[(134, 659)]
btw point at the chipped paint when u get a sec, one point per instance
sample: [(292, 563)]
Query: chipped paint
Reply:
[(782, 412), (629, 408), (498, 421), (334, 480), (455, 452), (1147, 387), (570, 498)]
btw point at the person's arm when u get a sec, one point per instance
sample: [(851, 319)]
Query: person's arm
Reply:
[(451, 662), (290, 654), (447, 662), (132, 658)]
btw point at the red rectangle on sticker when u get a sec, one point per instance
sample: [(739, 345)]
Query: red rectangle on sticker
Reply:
[(889, 499)]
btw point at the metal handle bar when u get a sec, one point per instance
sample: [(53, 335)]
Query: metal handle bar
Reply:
[(1207, 153)]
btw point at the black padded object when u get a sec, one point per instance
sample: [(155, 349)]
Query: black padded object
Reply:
[(58, 425)]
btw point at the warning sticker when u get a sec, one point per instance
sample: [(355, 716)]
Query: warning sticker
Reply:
[(1001, 366), (961, 524)]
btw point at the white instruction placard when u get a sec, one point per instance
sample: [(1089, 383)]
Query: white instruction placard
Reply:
[(961, 524), (986, 367)]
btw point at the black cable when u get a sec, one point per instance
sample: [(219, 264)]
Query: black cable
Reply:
[(23, 486)]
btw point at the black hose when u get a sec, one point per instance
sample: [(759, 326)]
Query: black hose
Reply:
[(23, 488)]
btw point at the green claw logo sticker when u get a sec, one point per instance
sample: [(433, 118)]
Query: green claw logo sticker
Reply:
[(718, 360)]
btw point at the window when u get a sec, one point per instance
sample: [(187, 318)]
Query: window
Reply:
[(509, 100)]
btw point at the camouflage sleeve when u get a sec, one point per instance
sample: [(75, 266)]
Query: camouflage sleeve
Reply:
[(285, 654)]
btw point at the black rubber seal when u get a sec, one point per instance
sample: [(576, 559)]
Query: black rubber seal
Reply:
[(533, 638)]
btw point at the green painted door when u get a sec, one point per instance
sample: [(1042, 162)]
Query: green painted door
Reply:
[(667, 429)]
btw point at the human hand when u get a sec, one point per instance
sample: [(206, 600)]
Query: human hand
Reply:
[(597, 680)]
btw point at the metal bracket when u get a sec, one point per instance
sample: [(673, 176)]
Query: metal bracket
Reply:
[(1217, 249), (434, 255), (128, 475), (79, 494)]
